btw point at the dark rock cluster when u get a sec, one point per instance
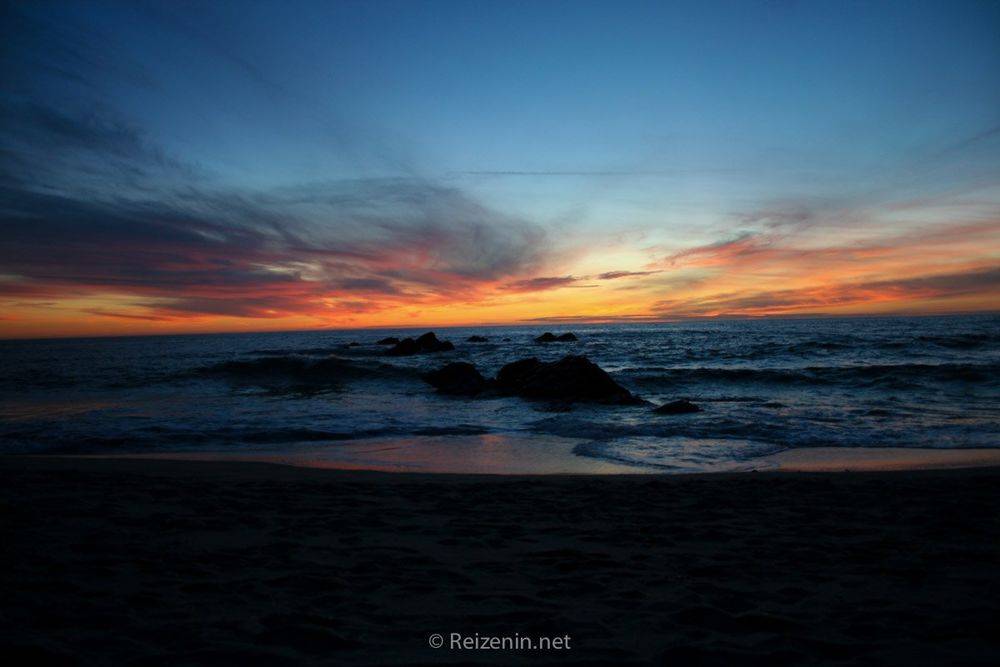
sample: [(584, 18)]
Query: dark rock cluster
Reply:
[(425, 343), (571, 379), (457, 379)]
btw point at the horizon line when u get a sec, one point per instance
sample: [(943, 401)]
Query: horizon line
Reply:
[(535, 323)]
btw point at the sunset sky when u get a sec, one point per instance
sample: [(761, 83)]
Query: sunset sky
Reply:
[(226, 166)]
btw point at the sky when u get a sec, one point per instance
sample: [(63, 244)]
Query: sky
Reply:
[(246, 166)]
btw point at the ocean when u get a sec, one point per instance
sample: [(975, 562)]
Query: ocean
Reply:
[(763, 385)]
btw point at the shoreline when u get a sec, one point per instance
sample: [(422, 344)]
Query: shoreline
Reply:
[(541, 456), (265, 468)]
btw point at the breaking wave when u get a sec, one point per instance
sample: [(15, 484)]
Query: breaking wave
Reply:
[(300, 374), (899, 375)]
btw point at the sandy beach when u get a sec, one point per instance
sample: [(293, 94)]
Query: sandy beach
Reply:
[(191, 563), (533, 455)]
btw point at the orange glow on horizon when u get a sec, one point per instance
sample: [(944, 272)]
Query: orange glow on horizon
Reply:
[(936, 272)]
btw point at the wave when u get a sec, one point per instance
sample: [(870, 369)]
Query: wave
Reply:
[(299, 374), (677, 453), (824, 348), (846, 428), (890, 375), (966, 341), (345, 350), (305, 351), (772, 350)]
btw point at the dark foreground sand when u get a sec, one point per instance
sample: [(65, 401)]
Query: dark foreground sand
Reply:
[(187, 563)]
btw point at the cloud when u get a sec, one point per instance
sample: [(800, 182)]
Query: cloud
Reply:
[(769, 271), (84, 149), (364, 146), (745, 244), (541, 284), (118, 314), (766, 248), (595, 173), (39, 51), (975, 282), (983, 136), (225, 255), (615, 317), (544, 283), (95, 131), (91, 206), (615, 275)]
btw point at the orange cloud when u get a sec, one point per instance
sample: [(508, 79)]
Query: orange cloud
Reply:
[(163, 268), (982, 285)]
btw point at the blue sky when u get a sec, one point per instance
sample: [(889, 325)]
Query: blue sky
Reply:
[(438, 88), (670, 124)]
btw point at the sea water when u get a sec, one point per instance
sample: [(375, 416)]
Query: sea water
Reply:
[(763, 386)]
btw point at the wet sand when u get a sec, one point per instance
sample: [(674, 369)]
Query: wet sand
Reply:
[(450, 454), (551, 455), (153, 562), (867, 459)]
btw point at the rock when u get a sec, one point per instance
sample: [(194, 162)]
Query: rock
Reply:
[(477, 339), (458, 379), (572, 378), (391, 340), (549, 337), (428, 341), (425, 343), (514, 374), (354, 343), (681, 407)]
